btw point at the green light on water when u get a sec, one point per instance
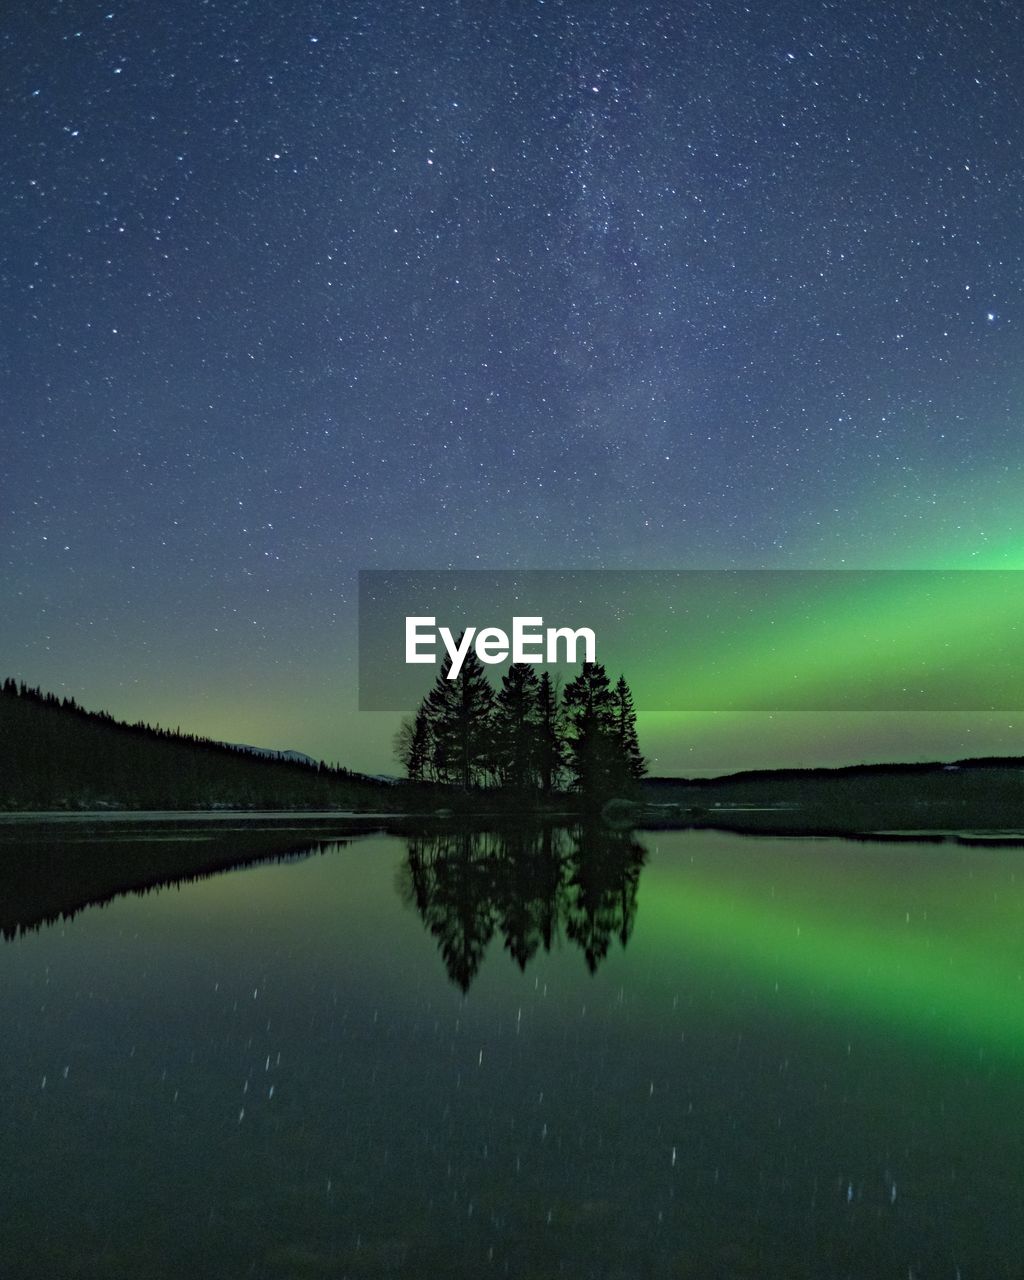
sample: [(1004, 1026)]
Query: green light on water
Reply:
[(864, 953)]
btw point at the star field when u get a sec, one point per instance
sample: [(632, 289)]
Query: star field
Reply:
[(292, 292)]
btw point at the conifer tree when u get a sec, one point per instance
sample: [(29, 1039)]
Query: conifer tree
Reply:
[(635, 765), (550, 754), (593, 747), (412, 744), (515, 726), (460, 717)]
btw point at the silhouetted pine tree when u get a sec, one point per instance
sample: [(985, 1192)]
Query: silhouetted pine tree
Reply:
[(515, 726), (550, 750), (460, 715), (412, 744), (625, 732), (594, 754)]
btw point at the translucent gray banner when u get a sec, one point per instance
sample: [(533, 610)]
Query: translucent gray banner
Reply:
[(712, 640)]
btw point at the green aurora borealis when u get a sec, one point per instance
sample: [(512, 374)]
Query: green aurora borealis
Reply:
[(848, 660)]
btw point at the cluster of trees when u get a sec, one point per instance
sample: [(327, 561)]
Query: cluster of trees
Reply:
[(528, 735), (56, 755)]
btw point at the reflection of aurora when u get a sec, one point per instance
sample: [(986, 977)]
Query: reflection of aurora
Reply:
[(924, 940), (532, 886)]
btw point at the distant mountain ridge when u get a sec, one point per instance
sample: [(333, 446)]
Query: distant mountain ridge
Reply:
[(299, 757)]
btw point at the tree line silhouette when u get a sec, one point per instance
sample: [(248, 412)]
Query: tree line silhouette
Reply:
[(526, 736), (55, 754), (532, 886)]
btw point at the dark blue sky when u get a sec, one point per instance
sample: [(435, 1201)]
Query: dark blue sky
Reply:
[(290, 291)]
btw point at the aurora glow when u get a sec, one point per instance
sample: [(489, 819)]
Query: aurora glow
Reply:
[(887, 625)]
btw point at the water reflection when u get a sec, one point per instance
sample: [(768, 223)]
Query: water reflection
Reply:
[(530, 886), (805, 1063), (51, 872)]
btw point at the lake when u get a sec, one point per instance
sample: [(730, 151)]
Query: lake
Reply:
[(568, 1053)]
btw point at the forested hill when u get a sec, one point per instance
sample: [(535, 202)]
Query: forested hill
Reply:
[(987, 792), (55, 755)]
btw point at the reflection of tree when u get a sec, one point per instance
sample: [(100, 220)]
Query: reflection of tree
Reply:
[(531, 892), (531, 885), (604, 877), (454, 893)]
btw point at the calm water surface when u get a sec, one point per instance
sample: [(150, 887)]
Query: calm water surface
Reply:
[(671, 1054)]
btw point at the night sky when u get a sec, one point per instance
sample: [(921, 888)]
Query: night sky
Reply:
[(291, 291)]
